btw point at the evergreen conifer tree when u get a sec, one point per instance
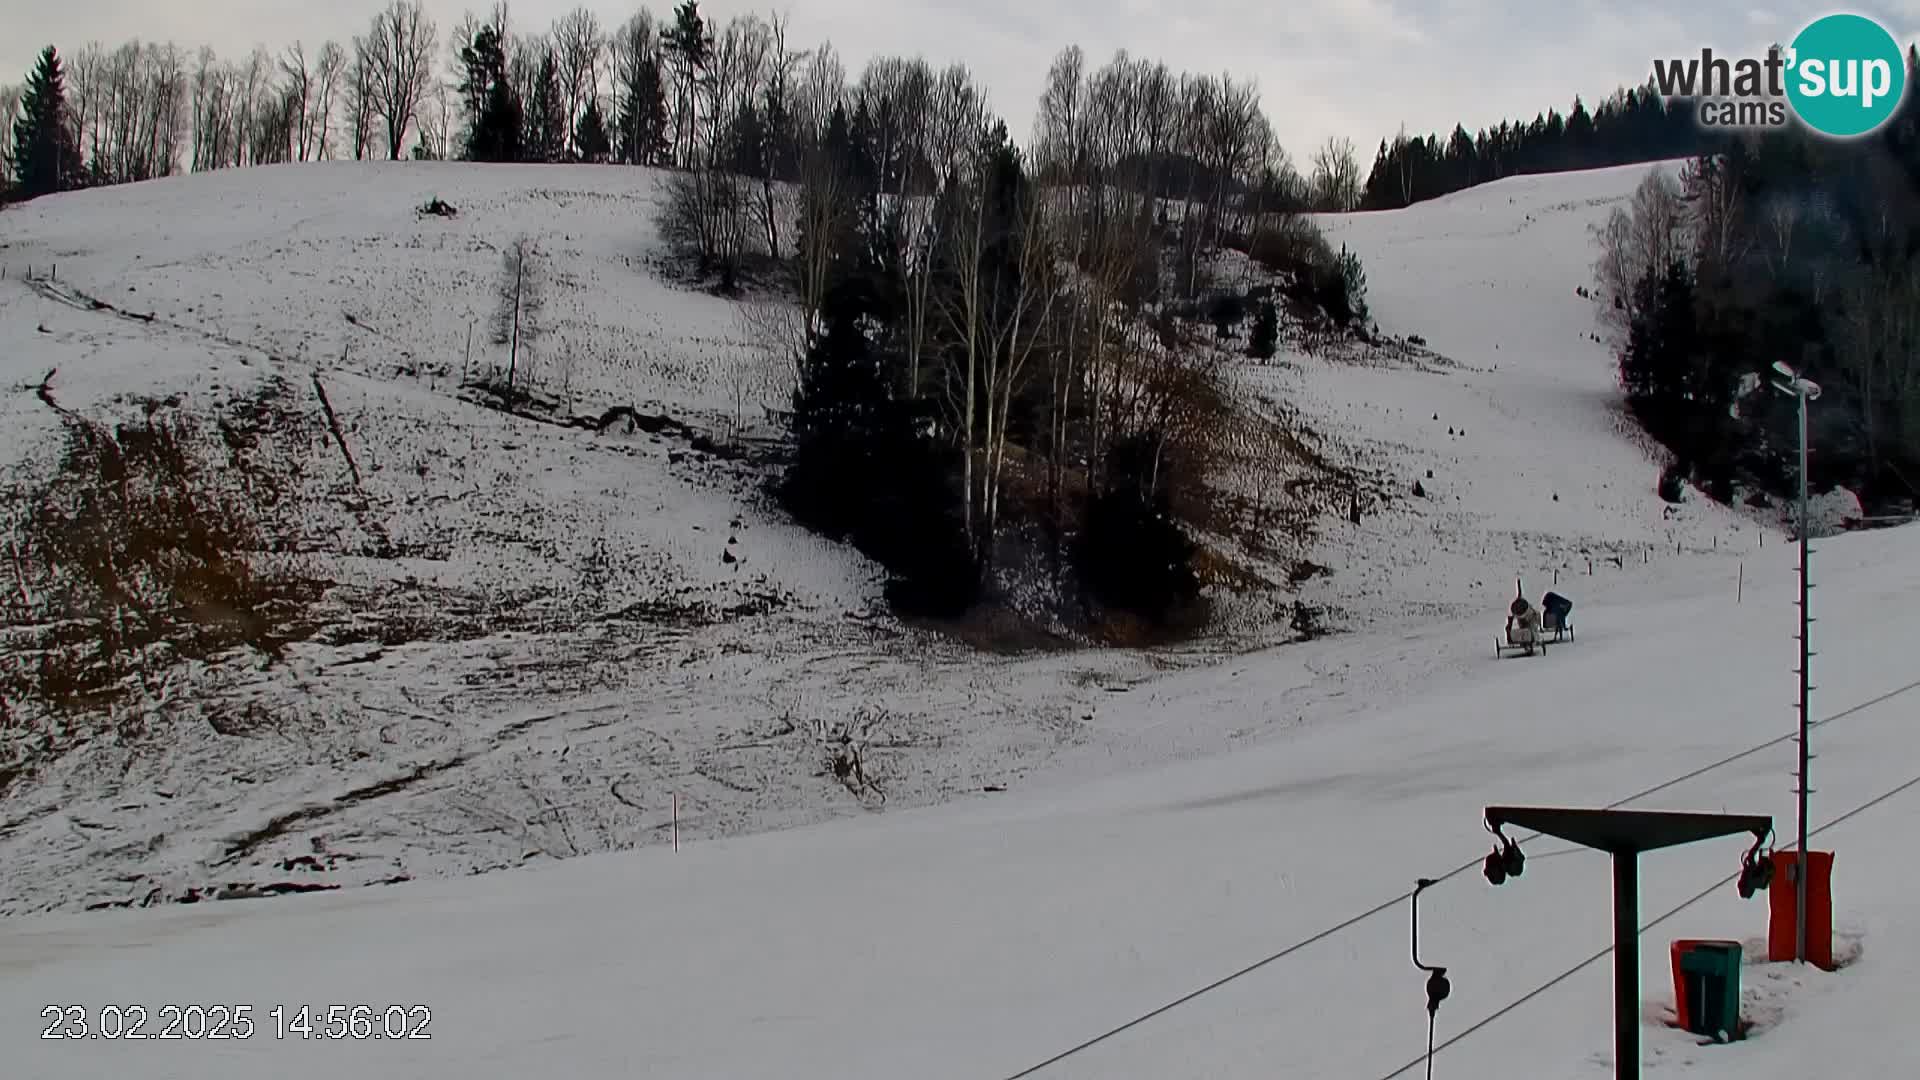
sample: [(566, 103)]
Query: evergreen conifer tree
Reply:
[(643, 114), (547, 126), (46, 155), (495, 115), (591, 135)]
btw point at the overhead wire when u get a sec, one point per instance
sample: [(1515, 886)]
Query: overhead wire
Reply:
[(1604, 953), (1449, 875)]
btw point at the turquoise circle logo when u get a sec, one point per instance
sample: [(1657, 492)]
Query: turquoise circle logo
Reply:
[(1848, 75)]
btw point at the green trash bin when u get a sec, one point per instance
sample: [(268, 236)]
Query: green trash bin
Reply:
[(1710, 975)]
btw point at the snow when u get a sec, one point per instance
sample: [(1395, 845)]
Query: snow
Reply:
[(982, 937), (1169, 819), (540, 618)]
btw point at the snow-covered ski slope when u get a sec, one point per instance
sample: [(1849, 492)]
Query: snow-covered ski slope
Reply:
[(539, 634), (1132, 862), (977, 939)]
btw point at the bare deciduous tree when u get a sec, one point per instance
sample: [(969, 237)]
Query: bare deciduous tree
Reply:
[(919, 98), (1640, 239), (435, 122), (1232, 136), (751, 374), (129, 108), (361, 99), (579, 45), (823, 87), (734, 67), (88, 98), (328, 72), (213, 112), (782, 64), (256, 110), (1067, 151), (1783, 219), (400, 48), (520, 296), (1023, 331), (1714, 210), (775, 328), (302, 84), (964, 305), (1059, 126), (10, 97), (704, 219), (823, 213), (1336, 175)]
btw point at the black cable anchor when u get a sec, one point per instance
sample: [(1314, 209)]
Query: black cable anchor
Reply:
[(1506, 860), (1438, 987), (1756, 868)]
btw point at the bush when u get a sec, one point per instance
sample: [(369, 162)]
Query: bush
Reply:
[(1673, 480), (1226, 311), (1133, 555), (1290, 246), (1312, 271), (1135, 559), (701, 223), (1265, 339), (1353, 280)]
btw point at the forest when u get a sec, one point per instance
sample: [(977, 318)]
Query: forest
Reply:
[(1776, 246), (1025, 346), (1632, 126)]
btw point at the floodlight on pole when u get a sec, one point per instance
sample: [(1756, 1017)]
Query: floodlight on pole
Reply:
[(1802, 390)]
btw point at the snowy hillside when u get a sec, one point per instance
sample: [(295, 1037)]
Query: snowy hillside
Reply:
[(984, 938), (537, 636), (531, 637)]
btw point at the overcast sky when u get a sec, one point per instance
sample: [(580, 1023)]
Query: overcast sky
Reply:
[(1358, 68)]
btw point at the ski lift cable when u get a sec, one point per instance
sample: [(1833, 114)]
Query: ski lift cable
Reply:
[(1604, 953), (1389, 905)]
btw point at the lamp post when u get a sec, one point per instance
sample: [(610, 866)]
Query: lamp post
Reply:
[(1802, 391)]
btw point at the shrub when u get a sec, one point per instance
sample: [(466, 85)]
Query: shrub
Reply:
[(1291, 245), (144, 548), (1673, 481), (1311, 271), (1265, 339), (1226, 311), (1353, 280), (1133, 555)]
